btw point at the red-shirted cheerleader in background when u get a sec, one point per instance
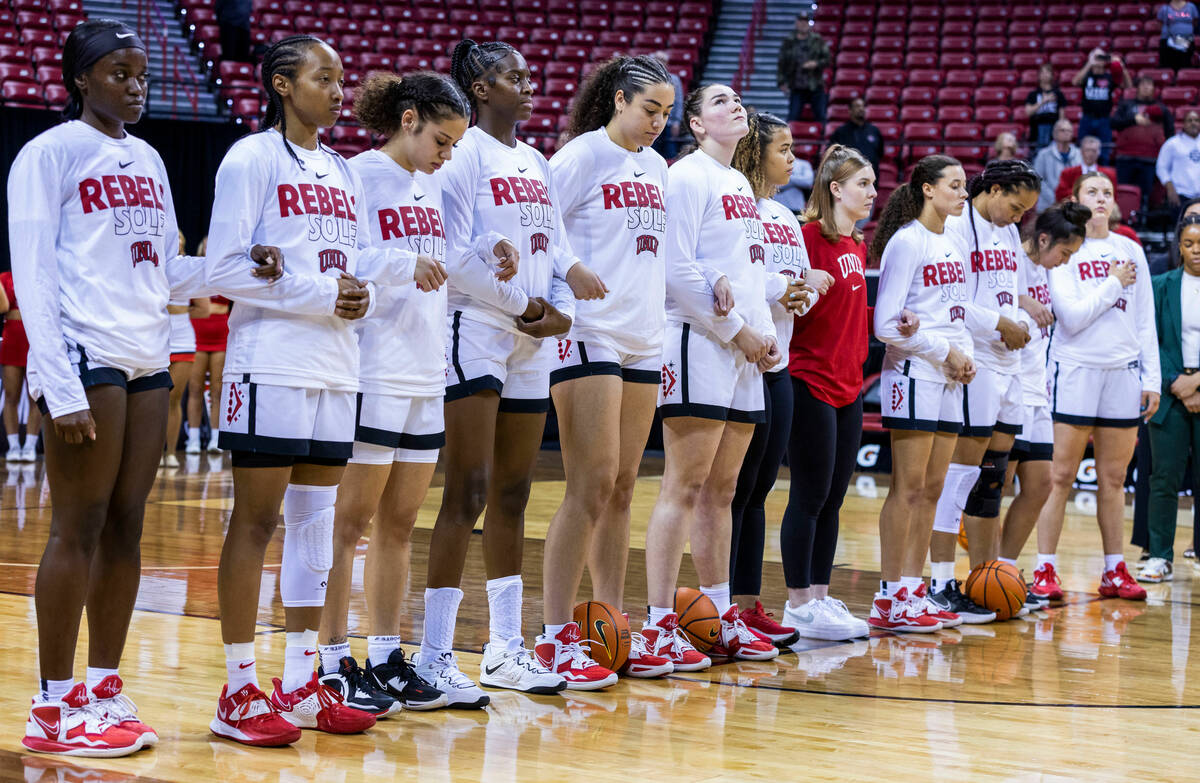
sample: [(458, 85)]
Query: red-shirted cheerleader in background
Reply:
[(211, 334), (13, 350)]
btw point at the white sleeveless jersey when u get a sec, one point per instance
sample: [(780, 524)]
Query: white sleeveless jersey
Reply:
[(991, 264), (94, 249), (925, 273), (285, 333), (1035, 284), (714, 230), (786, 257), (613, 205), (491, 192), (1097, 322), (403, 343)]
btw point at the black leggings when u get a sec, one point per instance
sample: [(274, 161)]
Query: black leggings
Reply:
[(759, 469), (822, 452)]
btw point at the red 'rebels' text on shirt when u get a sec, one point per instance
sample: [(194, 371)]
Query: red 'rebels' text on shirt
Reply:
[(943, 273), (519, 190), (1097, 270), (409, 221), (631, 194), (738, 207), (119, 190), (1001, 260), (780, 234), (311, 199)]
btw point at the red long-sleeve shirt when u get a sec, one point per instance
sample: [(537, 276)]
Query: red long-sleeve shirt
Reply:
[(829, 344)]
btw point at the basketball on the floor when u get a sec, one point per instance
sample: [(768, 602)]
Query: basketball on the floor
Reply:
[(998, 587), (698, 618), (609, 631)]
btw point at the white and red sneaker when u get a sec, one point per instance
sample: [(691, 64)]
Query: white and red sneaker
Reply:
[(248, 716), (1117, 583), (120, 709), (665, 640), (74, 727), (762, 622), (1046, 583), (894, 613), (921, 603), (317, 706), (563, 654), (641, 662), (739, 642)]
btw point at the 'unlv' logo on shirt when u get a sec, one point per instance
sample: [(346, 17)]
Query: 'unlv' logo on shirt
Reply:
[(143, 251), (756, 254), (332, 259), (647, 244), (538, 242), (1004, 298), (958, 313)]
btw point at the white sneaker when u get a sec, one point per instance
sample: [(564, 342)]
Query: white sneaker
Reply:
[(443, 673), (814, 620), (213, 448), (13, 455), (29, 452), (517, 669), (171, 461), (192, 447), (1157, 569), (838, 611)]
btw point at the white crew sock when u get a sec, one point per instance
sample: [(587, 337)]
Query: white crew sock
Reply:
[(1112, 561), (193, 436), (657, 613), (719, 595), (380, 647), (55, 690), (240, 668), (911, 583), (332, 655), (504, 609), (441, 615), (941, 573), (14, 442), (1047, 559), (1012, 561), (298, 659)]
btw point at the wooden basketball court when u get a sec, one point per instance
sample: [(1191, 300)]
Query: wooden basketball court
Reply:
[(1092, 690)]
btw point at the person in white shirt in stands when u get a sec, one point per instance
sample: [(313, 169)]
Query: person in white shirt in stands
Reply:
[(290, 380), (497, 193), (1178, 165), (1104, 369), (402, 382), (610, 185), (719, 340), (94, 247), (922, 269)]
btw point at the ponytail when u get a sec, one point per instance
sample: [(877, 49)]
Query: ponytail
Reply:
[(907, 201)]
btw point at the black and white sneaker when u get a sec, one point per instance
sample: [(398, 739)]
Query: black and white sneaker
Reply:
[(951, 599), (400, 680), (356, 690), (1035, 602)]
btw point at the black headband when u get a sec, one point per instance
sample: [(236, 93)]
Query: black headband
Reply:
[(99, 44)]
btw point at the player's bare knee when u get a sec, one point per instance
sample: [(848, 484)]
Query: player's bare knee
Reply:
[(511, 499)]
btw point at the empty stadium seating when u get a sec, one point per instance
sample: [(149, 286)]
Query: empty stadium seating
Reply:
[(32, 33)]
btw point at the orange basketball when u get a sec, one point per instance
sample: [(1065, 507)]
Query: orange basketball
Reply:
[(962, 536), (698, 618), (997, 586), (609, 631)]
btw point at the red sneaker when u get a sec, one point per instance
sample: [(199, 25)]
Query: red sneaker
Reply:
[(1117, 583), (893, 613), (120, 709), (922, 603), (738, 641), (317, 706), (1046, 583), (248, 717), (665, 640), (641, 662), (74, 727), (762, 622), (563, 654)]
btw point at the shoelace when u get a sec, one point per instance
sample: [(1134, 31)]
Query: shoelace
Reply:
[(119, 708), (243, 710), (358, 680), (580, 659), (327, 697), (680, 644), (836, 607), (637, 644), (446, 668), (742, 633), (523, 657), (1050, 575)]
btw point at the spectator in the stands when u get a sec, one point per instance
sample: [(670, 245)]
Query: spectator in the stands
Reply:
[(1045, 106), (1142, 124), (667, 143), (861, 135), (794, 195), (1005, 147), (1102, 77), (1089, 153), (1053, 158), (1178, 166), (800, 70), (1180, 20), (233, 19)]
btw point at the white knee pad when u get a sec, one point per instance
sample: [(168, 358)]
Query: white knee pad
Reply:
[(307, 544), (959, 481)]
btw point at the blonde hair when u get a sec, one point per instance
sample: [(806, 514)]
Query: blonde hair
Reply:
[(838, 164)]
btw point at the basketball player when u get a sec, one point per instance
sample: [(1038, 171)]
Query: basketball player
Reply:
[(610, 186), (14, 357), (496, 191), (402, 380), (992, 403), (1104, 378), (1057, 235), (212, 334), (711, 394), (923, 269), (94, 249), (183, 355), (291, 374), (764, 156)]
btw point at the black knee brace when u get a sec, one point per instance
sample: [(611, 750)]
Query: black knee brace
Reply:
[(984, 500)]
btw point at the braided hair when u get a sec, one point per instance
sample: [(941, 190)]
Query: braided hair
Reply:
[(751, 149), (470, 62), (1010, 176), (382, 99), (283, 57), (907, 201), (595, 104)]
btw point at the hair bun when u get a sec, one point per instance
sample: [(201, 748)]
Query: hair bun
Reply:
[(1076, 213)]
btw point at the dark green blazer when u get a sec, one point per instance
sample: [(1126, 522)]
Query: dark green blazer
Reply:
[(1169, 320)]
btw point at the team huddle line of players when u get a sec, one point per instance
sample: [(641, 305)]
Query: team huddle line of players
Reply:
[(398, 305)]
